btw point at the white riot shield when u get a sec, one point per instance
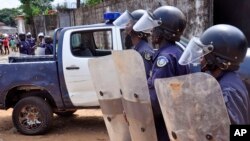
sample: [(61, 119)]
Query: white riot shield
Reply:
[(107, 87), (136, 99), (193, 108)]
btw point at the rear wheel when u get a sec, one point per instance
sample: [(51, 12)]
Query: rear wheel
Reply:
[(32, 116)]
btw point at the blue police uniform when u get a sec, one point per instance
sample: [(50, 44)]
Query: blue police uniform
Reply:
[(236, 97), (32, 44), (147, 54), (165, 64), (24, 47), (48, 48)]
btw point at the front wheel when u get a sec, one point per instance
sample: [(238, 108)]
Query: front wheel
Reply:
[(32, 116)]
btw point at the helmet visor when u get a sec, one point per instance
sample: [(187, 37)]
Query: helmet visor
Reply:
[(122, 20), (194, 52), (146, 23)]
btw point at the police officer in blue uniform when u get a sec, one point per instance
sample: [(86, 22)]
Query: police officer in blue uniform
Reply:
[(48, 45), (140, 41), (222, 48), (23, 45), (168, 24), (32, 43)]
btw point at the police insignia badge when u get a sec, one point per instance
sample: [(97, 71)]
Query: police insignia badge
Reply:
[(147, 56), (162, 61)]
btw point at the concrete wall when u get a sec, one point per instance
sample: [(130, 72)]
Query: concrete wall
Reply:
[(198, 13)]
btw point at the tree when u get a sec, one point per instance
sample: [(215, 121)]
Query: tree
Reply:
[(33, 8), (93, 2), (7, 16)]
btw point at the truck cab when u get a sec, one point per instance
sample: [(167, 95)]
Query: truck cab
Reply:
[(75, 47)]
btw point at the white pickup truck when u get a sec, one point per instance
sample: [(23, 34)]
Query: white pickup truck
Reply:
[(38, 86)]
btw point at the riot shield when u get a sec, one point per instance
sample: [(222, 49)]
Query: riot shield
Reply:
[(136, 99), (107, 87), (193, 108)]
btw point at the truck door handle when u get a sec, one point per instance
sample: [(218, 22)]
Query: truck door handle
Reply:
[(72, 68)]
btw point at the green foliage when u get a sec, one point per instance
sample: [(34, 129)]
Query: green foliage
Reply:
[(7, 16), (93, 2), (33, 8)]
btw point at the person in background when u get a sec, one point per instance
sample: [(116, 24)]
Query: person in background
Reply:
[(32, 43), (6, 44), (220, 50), (13, 44), (167, 24), (1, 45), (23, 45), (48, 45), (40, 40)]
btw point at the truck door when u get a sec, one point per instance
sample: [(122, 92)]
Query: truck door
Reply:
[(79, 45)]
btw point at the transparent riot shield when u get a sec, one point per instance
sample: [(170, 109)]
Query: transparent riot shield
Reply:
[(107, 87), (193, 108), (136, 99)]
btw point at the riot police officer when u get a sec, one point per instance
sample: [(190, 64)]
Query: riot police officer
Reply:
[(168, 24), (32, 43), (140, 41), (48, 45), (137, 40), (23, 45), (222, 48)]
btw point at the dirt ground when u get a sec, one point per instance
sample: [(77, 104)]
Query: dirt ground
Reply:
[(85, 125)]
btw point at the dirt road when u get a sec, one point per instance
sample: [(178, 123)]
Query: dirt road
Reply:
[(85, 125)]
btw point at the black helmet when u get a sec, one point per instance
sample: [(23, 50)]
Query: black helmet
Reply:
[(229, 46), (48, 39), (167, 22), (173, 21), (222, 46), (137, 14), (22, 36)]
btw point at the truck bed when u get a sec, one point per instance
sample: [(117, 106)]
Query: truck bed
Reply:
[(30, 58)]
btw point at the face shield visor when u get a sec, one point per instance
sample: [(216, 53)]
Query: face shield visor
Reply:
[(123, 20), (146, 23), (194, 52)]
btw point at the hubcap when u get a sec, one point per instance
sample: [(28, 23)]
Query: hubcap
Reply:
[(30, 117)]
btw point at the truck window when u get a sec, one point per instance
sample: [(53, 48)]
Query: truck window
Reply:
[(91, 43)]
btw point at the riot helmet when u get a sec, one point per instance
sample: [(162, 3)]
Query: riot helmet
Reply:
[(220, 46), (28, 35), (48, 39), (22, 36), (41, 35), (126, 17), (136, 15), (167, 21)]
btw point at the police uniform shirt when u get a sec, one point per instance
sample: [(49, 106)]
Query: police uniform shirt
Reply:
[(165, 64), (31, 41), (236, 97), (147, 54), (24, 47)]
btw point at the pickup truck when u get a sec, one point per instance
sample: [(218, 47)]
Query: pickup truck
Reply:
[(38, 86)]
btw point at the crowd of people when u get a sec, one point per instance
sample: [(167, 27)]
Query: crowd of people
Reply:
[(24, 43), (219, 51)]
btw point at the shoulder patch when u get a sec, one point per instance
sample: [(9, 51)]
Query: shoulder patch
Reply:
[(162, 61), (147, 56)]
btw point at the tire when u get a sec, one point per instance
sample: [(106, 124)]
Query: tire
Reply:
[(32, 116), (65, 113)]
